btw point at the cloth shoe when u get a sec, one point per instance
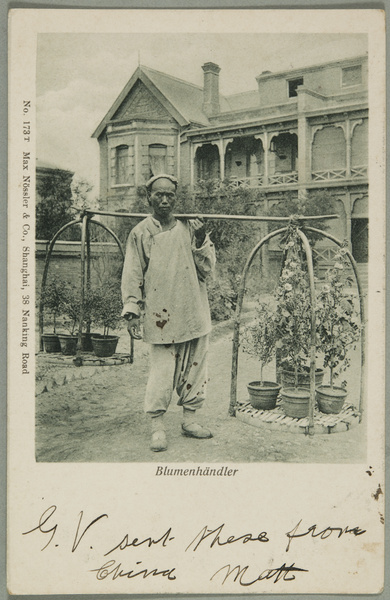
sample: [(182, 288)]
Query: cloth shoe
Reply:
[(159, 441), (196, 431)]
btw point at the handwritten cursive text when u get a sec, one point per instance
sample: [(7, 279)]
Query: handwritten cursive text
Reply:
[(113, 570), (284, 572), (216, 539), (323, 534)]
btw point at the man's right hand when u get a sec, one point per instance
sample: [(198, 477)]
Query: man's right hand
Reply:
[(134, 328)]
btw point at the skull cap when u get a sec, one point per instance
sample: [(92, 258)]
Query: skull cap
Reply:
[(160, 176)]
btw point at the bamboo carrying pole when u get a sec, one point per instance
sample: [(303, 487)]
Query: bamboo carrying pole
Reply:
[(84, 227), (310, 269), (236, 333), (216, 217)]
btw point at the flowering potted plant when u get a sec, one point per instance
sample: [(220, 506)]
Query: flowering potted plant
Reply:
[(293, 326), (338, 330), (258, 339), (106, 312)]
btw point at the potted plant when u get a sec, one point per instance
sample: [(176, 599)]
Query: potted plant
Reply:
[(338, 330), (106, 312), (293, 326), (91, 298), (51, 299), (70, 309), (258, 339)]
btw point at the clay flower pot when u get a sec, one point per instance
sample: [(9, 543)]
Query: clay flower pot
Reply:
[(51, 343), (104, 346), (295, 402), (330, 400), (263, 397), (288, 378), (68, 343)]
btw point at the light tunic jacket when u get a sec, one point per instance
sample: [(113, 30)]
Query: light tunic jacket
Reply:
[(164, 279)]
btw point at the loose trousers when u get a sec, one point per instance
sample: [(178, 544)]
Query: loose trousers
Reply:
[(177, 366)]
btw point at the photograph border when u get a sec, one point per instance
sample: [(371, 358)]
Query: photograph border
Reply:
[(96, 4)]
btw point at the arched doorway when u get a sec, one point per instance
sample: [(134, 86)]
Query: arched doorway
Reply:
[(244, 158), (207, 162)]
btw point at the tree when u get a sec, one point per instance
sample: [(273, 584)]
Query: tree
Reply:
[(313, 204), (232, 239), (80, 195), (53, 208)]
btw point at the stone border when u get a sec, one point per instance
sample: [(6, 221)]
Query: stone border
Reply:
[(68, 371), (86, 359), (276, 419)]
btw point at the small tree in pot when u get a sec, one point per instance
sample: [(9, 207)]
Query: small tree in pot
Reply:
[(106, 312), (258, 339), (51, 299), (70, 309), (293, 326), (338, 330)]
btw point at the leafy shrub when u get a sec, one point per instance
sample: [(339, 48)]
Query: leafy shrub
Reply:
[(52, 299), (293, 308), (106, 307), (258, 338), (338, 327)]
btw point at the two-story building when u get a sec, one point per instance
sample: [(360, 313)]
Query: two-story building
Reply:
[(300, 130)]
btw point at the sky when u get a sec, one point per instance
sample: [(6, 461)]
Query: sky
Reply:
[(79, 76)]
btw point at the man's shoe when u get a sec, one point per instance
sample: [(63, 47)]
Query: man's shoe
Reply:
[(196, 431), (159, 441)]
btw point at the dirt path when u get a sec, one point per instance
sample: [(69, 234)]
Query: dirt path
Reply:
[(101, 419)]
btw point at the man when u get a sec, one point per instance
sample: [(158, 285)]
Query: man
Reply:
[(166, 264)]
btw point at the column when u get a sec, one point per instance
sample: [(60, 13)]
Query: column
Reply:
[(222, 153), (348, 147), (193, 149), (221, 159), (348, 216), (265, 141), (304, 144), (137, 160), (192, 158)]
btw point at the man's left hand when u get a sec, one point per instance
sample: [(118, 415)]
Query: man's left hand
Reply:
[(200, 230)]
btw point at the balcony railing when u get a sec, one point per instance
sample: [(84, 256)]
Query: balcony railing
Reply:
[(339, 174), (360, 171), (331, 175), (291, 178), (246, 182), (260, 180), (283, 178)]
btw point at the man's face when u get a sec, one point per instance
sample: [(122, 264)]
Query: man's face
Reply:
[(162, 198)]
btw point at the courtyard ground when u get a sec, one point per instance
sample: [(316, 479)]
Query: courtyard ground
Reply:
[(100, 418)]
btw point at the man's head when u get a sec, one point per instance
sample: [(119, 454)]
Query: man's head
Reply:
[(161, 191)]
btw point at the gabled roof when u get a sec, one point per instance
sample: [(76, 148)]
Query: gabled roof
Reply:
[(183, 100)]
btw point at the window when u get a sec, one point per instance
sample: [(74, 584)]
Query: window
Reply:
[(292, 86), (121, 164), (351, 75), (157, 159)]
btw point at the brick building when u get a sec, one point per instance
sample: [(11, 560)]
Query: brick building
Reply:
[(300, 130)]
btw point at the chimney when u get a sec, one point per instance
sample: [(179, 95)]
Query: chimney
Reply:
[(211, 89)]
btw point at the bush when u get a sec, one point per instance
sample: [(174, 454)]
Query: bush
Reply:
[(52, 299), (232, 239), (106, 307)]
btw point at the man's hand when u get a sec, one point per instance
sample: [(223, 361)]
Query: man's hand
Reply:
[(200, 230), (133, 327)]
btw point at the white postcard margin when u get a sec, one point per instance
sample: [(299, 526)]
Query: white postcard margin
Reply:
[(107, 501)]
